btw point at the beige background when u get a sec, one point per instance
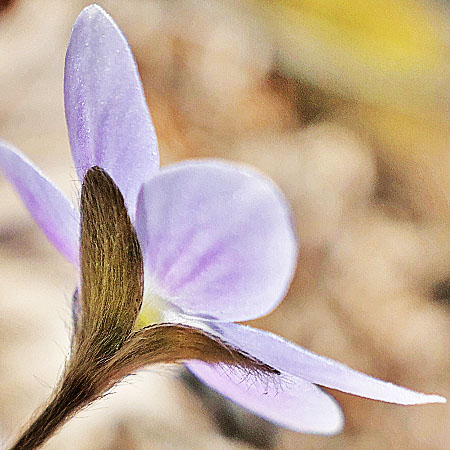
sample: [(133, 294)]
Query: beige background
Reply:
[(370, 192)]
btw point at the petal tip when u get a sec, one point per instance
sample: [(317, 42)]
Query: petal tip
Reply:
[(337, 429), (94, 12), (410, 397), (332, 428), (433, 398), (91, 10)]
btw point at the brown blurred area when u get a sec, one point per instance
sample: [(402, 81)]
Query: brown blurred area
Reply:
[(369, 187)]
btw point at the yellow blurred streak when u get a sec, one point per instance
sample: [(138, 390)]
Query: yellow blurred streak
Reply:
[(382, 51), (388, 34)]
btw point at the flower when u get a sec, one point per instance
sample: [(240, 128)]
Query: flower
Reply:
[(218, 242)]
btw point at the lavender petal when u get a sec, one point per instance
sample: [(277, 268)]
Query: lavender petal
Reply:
[(107, 117), (54, 214), (295, 360), (217, 240), (289, 402)]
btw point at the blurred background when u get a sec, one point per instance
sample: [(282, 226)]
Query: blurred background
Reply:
[(346, 106)]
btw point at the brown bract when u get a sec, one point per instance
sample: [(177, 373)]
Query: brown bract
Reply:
[(105, 347)]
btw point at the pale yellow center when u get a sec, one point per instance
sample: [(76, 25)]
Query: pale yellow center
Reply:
[(151, 311)]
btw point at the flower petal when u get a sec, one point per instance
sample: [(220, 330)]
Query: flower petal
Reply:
[(288, 357), (107, 118), (293, 403), (217, 240), (58, 219)]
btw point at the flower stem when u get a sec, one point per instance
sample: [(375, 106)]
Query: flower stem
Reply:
[(72, 396)]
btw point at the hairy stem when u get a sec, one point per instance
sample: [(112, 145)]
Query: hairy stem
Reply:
[(73, 395)]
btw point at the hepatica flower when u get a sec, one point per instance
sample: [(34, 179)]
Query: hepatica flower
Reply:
[(170, 259)]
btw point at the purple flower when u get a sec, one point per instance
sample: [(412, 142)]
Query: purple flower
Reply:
[(217, 239)]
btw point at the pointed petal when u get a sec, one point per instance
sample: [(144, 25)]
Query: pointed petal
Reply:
[(217, 240), (107, 118), (58, 219), (288, 357), (290, 402)]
